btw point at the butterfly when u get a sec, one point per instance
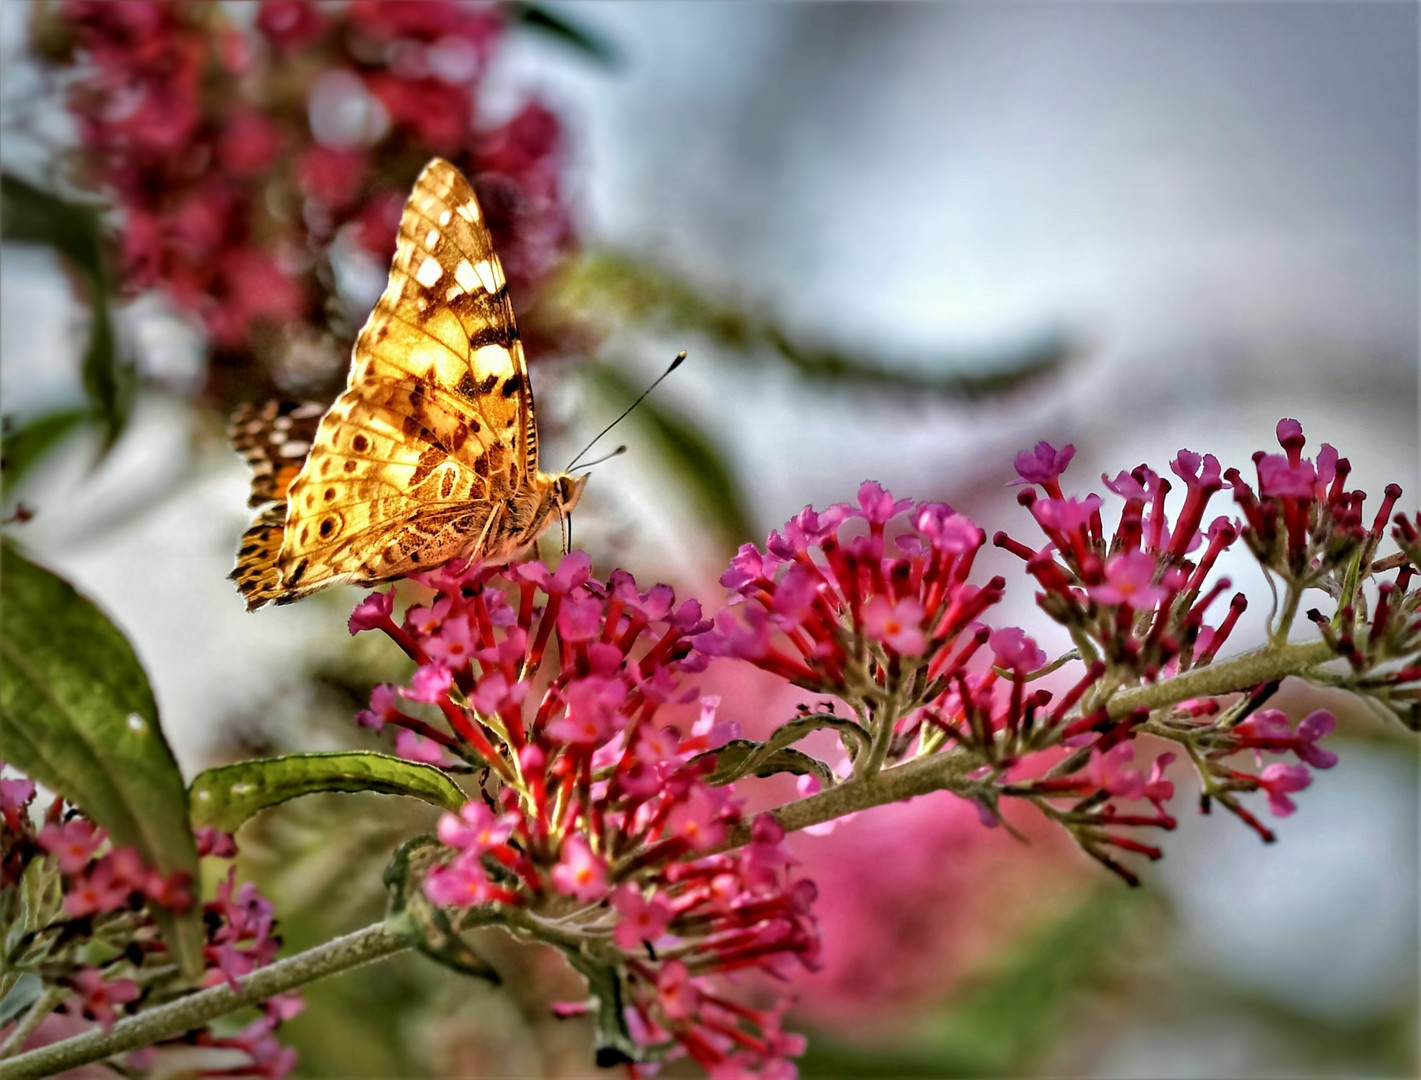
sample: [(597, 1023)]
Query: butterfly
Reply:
[(431, 453)]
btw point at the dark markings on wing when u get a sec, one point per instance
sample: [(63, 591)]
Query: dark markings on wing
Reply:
[(275, 438)]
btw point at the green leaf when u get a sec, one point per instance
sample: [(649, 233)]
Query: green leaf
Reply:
[(23, 447), (29, 215), (734, 760), (77, 715), (228, 795), (686, 451), (542, 18), (32, 216), (109, 381), (423, 925), (24, 993), (611, 290)]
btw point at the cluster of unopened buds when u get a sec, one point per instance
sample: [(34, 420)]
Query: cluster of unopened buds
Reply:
[(597, 829), (81, 891)]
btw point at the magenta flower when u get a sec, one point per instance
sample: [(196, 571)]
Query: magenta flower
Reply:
[(384, 708), (1112, 772), (700, 819), (372, 612), (1157, 789), (898, 626), (97, 891), (1278, 477), (1129, 581), (1278, 780), (1314, 726), (72, 844), (460, 883), (1270, 729), (415, 747), (877, 506), (643, 919), (1066, 515), (1197, 471), (430, 684), (15, 794), (1015, 651), (676, 994), (1043, 463), (452, 646), (559, 695), (494, 693), (99, 999), (580, 872), (475, 828)]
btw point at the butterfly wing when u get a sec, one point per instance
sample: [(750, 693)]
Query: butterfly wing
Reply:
[(434, 439), (274, 438)]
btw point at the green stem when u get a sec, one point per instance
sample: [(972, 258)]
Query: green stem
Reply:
[(171, 1020), (1226, 677), (43, 1005), (947, 771)]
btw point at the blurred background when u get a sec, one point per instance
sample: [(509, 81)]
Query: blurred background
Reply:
[(900, 242)]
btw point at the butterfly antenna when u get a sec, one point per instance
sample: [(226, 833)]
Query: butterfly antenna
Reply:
[(618, 452), (674, 365)]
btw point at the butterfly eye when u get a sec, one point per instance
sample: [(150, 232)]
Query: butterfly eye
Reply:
[(564, 489)]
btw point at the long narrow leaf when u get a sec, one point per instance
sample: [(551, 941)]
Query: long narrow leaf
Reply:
[(612, 290), (30, 215), (23, 447), (552, 23), (228, 795), (77, 714)]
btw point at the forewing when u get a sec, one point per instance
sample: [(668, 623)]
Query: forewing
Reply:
[(435, 431), (445, 316)]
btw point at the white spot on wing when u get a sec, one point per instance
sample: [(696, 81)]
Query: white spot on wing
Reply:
[(445, 217), (429, 272), (469, 211), (490, 275), (493, 360), (431, 238), (454, 293), (465, 276)]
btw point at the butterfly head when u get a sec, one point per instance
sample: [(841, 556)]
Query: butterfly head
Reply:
[(566, 491)]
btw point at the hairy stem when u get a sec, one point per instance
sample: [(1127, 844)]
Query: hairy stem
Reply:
[(947, 771), (43, 1005), (1227, 676), (171, 1020)]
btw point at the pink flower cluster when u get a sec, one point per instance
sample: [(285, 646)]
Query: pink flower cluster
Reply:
[(105, 891), (114, 881), (237, 154), (598, 816), (1133, 592), (873, 604), (849, 599)]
